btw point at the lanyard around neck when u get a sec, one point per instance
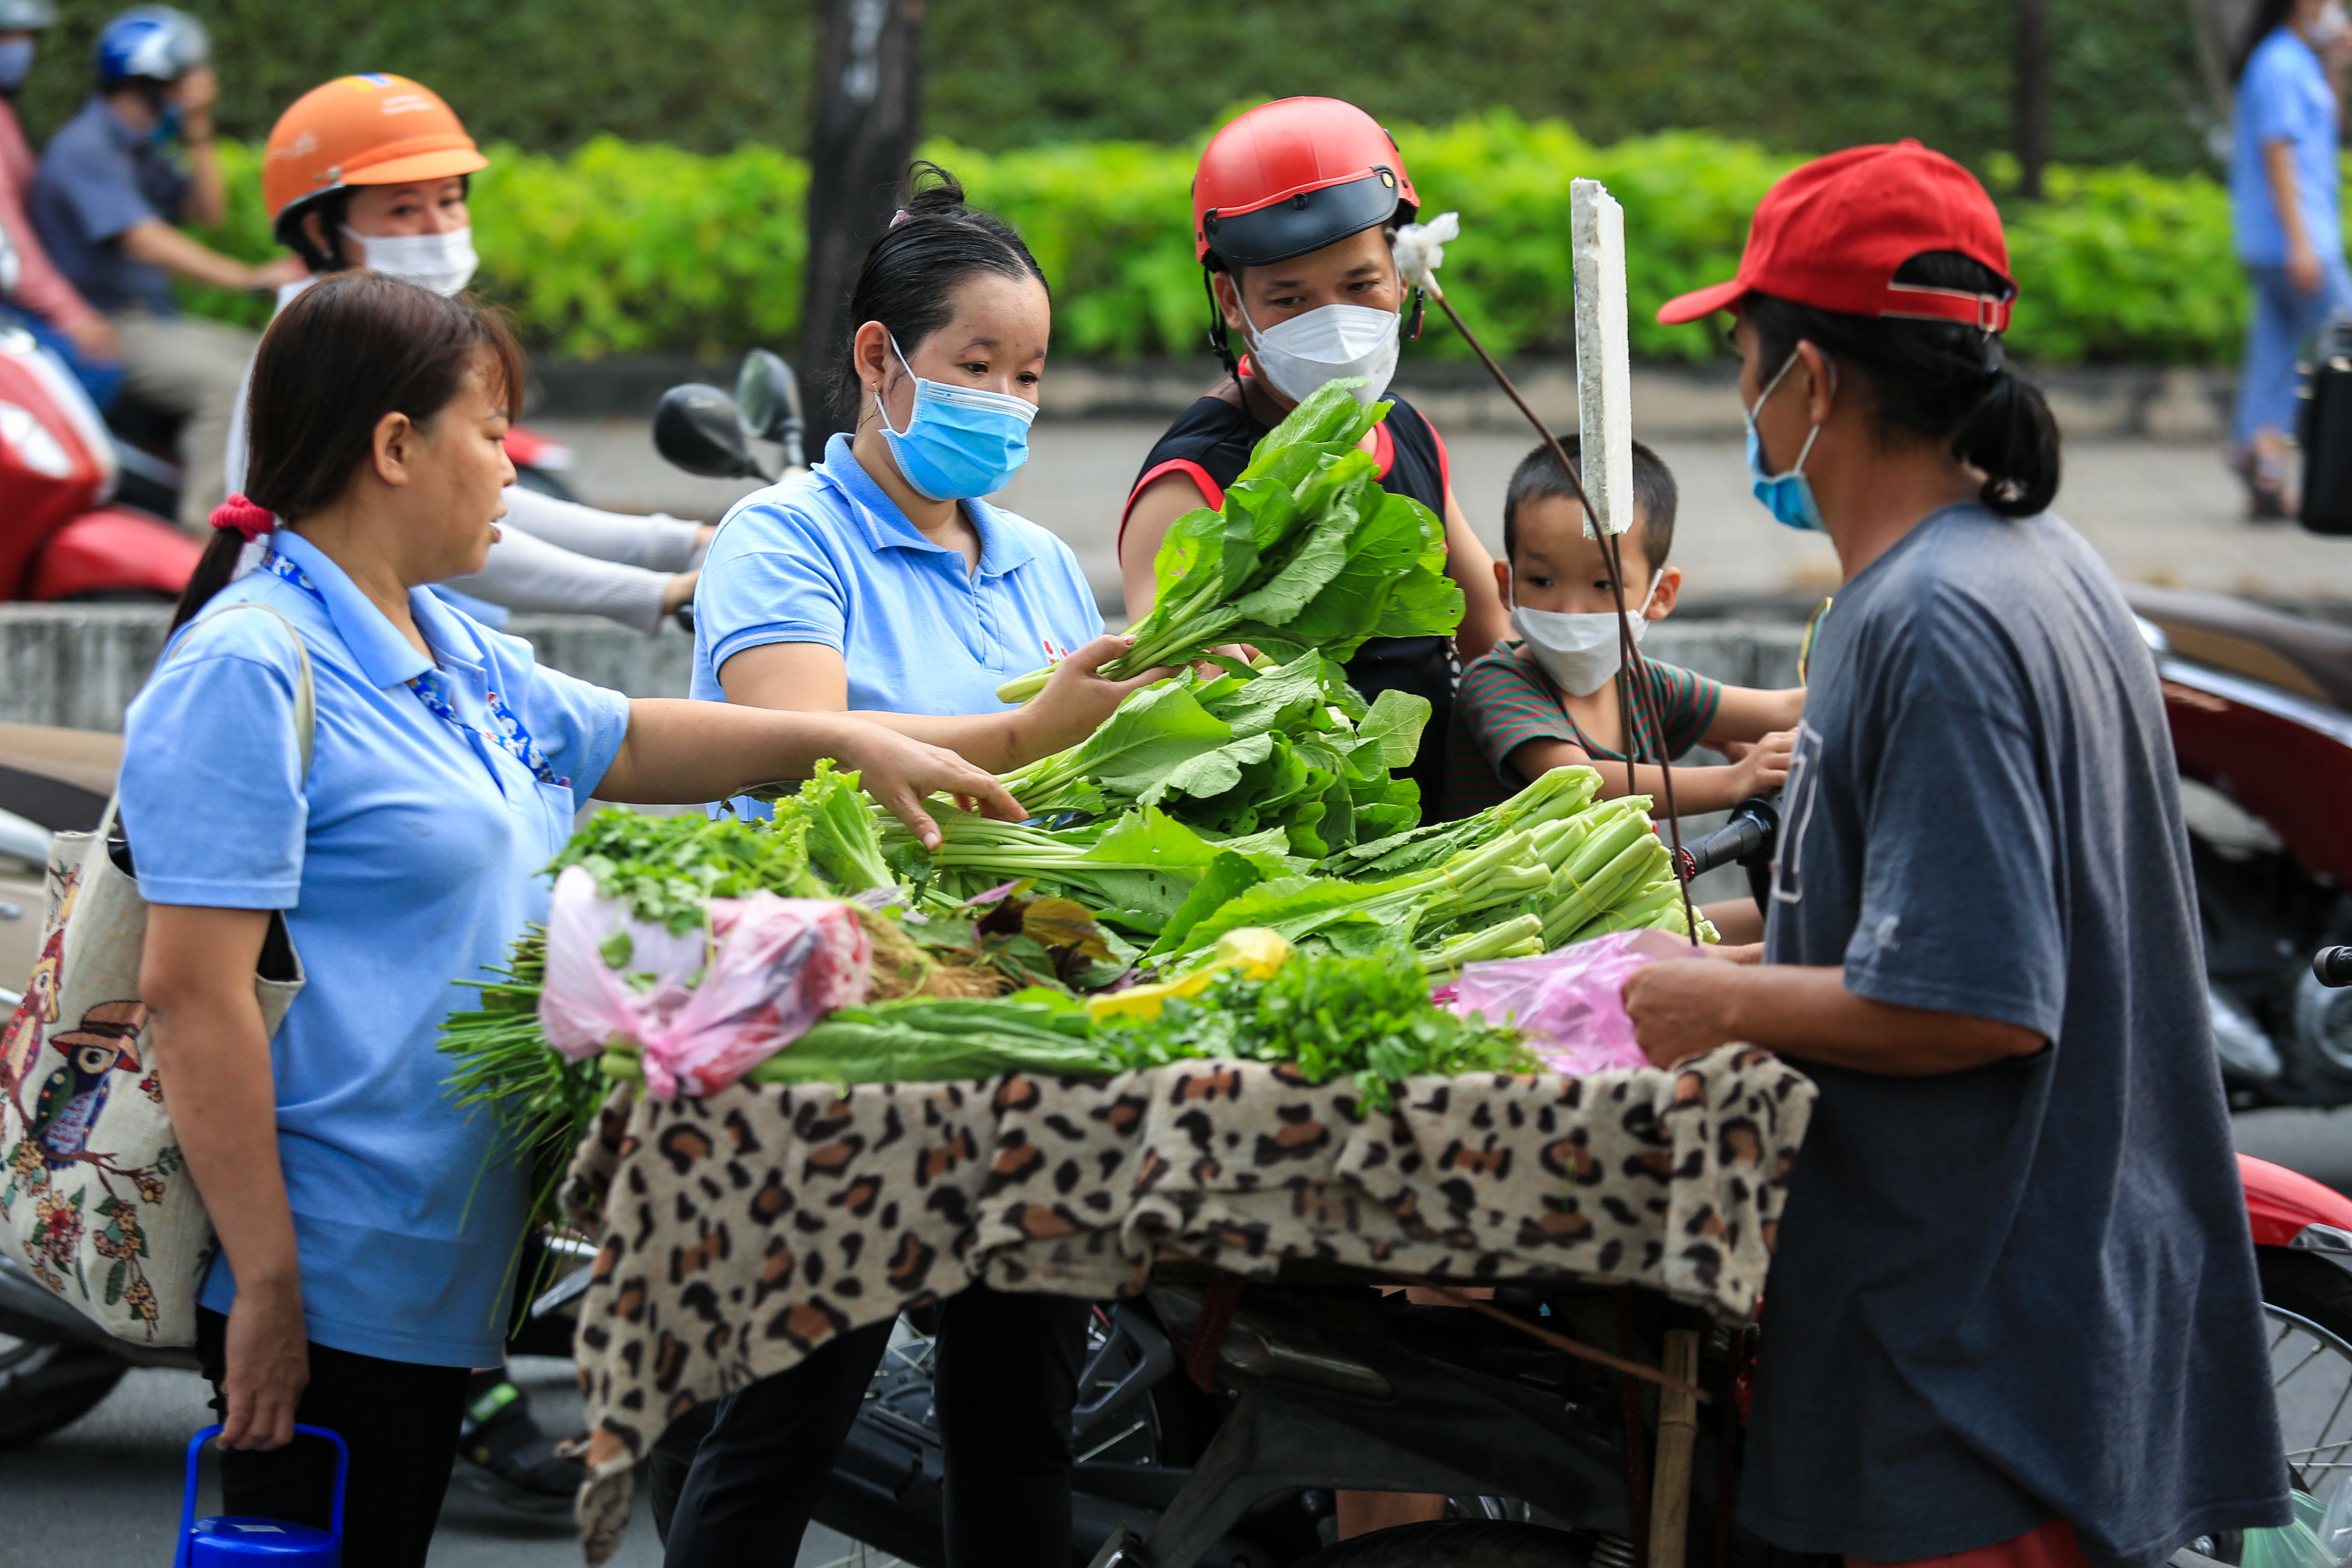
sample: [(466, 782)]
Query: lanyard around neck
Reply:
[(432, 689)]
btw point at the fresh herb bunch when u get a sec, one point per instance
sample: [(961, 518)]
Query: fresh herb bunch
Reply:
[(667, 866), (542, 1105), (1368, 1017)]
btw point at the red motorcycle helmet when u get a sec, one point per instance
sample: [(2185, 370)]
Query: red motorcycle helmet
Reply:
[(1292, 176)]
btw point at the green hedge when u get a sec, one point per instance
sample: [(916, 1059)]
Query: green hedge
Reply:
[(620, 247)]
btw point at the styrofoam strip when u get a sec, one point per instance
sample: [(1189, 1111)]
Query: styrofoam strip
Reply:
[(1604, 381)]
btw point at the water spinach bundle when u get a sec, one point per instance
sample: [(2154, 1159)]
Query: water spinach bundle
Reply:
[(1306, 552), (1292, 746)]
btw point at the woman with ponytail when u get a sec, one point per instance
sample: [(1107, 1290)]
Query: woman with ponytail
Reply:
[(366, 1236), (2014, 1260)]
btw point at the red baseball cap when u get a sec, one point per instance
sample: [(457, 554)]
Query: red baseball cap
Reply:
[(1831, 234)]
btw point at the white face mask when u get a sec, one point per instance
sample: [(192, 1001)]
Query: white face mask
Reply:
[(1580, 652), (442, 262), (1323, 344)]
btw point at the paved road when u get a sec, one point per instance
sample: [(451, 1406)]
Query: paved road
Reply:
[(111, 1483), (2163, 513)]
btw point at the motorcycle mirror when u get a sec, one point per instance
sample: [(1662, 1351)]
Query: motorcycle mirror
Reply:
[(697, 428), (769, 394)]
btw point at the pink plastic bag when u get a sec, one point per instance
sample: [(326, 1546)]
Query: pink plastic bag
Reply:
[(707, 1007), (1568, 1003)]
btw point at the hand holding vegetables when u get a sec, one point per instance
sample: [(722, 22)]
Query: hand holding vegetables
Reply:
[(899, 772), (1077, 697)]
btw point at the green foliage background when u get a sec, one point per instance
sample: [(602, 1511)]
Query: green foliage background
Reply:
[(617, 247), (708, 75)]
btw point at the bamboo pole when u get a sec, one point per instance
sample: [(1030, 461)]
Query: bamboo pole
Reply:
[(1677, 1434)]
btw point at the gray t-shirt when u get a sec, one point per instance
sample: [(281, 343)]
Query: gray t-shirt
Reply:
[(2025, 1290), (99, 176)]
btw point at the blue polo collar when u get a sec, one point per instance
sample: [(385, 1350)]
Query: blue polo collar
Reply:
[(1002, 548), (385, 658)]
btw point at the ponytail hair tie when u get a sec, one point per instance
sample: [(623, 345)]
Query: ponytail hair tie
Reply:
[(240, 515), (901, 216)]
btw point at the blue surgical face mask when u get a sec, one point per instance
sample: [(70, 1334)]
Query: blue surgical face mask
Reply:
[(16, 63), (959, 442), (1788, 497)]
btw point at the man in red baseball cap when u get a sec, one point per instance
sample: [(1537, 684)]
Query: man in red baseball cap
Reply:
[(2014, 1261)]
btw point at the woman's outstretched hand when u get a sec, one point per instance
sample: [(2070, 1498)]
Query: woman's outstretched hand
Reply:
[(899, 772), (1076, 701)]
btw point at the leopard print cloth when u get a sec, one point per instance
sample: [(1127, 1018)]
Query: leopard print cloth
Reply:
[(741, 1231)]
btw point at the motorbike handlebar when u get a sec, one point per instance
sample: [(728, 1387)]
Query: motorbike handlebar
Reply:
[(1753, 825), (2333, 967)]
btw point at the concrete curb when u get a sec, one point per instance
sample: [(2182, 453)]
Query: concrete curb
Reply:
[(1670, 402), (79, 665)]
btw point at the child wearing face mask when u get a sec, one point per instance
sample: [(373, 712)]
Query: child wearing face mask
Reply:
[(1549, 700)]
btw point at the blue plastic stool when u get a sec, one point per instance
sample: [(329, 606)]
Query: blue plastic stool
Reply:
[(231, 1540)]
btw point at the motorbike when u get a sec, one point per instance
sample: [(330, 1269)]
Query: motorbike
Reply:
[(1319, 1384), (58, 470), (88, 501), (2259, 702)]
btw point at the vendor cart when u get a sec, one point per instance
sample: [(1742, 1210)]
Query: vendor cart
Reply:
[(1237, 1214)]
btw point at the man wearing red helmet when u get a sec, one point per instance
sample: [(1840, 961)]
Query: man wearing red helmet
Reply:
[(2014, 1264), (1293, 210)]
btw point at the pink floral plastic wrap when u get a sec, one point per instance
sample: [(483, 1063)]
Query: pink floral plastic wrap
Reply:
[(707, 1007), (1568, 1003)]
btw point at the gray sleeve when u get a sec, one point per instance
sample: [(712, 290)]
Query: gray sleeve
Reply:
[(1959, 910), (658, 542), (525, 573)]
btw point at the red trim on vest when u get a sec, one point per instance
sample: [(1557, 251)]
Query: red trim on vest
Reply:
[(1445, 461), (1211, 491)]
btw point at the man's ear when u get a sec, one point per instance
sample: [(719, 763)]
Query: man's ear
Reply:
[(395, 448), (1229, 301), (1503, 579), (1822, 372)]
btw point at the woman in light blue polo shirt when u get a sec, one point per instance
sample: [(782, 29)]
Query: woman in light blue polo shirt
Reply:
[(879, 582), (2283, 203), (366, 1244)]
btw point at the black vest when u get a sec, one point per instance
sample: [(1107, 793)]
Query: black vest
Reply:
[(1212, 442)]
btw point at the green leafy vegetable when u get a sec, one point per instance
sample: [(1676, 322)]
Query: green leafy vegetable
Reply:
[(1291, 746), (843, 843), (1306, 552), (1368, 1017)]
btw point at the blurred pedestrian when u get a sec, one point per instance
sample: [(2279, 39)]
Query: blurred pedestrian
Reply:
[(40, 299), (2283, 181), (106, 203)]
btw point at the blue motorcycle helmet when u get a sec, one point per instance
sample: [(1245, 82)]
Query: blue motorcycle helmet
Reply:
[(151, 44)]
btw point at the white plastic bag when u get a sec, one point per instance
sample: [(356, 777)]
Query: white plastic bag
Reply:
[(708, 1007)]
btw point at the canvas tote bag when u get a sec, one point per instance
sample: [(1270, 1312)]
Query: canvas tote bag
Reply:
[(95, 1200)]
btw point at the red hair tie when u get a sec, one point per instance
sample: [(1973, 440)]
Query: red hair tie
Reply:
[(243, 516)]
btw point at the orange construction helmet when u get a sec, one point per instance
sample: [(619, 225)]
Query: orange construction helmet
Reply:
[(369, 130), (1292, 176)]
